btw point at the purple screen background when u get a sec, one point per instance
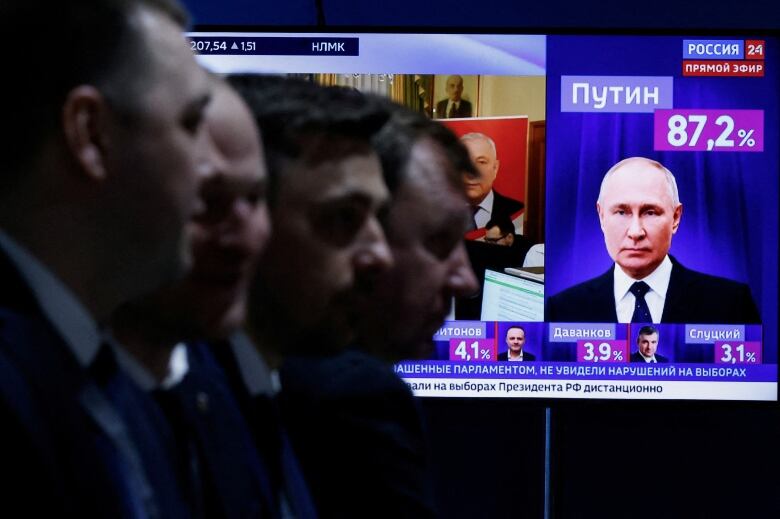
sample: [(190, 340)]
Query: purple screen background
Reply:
[(729, 226)]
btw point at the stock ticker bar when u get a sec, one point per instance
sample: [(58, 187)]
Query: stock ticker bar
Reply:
[(274, 46)]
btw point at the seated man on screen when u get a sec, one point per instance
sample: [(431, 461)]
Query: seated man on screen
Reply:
[(454, 106), (500, 232), (640, 211), (647, 344), (515, 340), (486, 203)]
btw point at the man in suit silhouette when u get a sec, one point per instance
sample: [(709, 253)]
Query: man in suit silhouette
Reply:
[(515, 341), (640, 211), (486, 203), (647, 345), (454, 106), (100, 173), (325, 198), (170, 334), (353, 402), (425, 226)]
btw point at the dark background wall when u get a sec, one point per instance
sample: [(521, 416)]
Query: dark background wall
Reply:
[(607, 459), (493, 13)]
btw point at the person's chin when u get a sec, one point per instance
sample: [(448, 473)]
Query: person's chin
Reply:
[(636, 262), (424, 339), (474, 194), (212, 319), (172, 267)]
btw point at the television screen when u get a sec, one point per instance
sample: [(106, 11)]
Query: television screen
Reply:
[(636, 177)]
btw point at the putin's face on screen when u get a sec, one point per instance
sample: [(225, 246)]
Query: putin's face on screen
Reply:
[(638, 215)]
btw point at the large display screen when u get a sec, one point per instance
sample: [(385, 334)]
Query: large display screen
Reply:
[(626, 237)]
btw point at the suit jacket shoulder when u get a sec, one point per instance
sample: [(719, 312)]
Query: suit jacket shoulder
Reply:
[(441, 108), (694, 297), (464, 109), (590, 301), (637, 357), (238, 481), (354, 412), (503, 206), (85, 458), (527, 357)]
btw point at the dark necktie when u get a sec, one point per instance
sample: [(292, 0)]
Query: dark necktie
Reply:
[(473, 223), (185, 451), (452, 111), (281, 459), (641, 311)]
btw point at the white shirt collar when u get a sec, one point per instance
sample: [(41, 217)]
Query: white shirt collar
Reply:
[(510, 358), (487, 202), (658, 281), (59, 304), (647, 359), (485, 211), (178, 366)]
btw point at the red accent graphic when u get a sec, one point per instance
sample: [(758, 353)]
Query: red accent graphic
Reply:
[(754, 49), (723, 68)]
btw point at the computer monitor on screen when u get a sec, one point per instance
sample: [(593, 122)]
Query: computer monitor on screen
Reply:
[(510, 297)]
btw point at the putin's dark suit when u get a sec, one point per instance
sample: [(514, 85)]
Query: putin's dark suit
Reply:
[(692, 297)]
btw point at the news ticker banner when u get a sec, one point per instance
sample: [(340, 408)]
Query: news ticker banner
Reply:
[(568, 380), (551, 371), (602, 343), (364, 53), (600, 363), (574, 389)]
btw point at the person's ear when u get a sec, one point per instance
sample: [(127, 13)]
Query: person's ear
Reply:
[(677, 216), (601, 216), (83, 119)]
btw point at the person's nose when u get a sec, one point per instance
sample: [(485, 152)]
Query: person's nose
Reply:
[(373, 254), (461, 281), (635, 229), (246, 227)]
